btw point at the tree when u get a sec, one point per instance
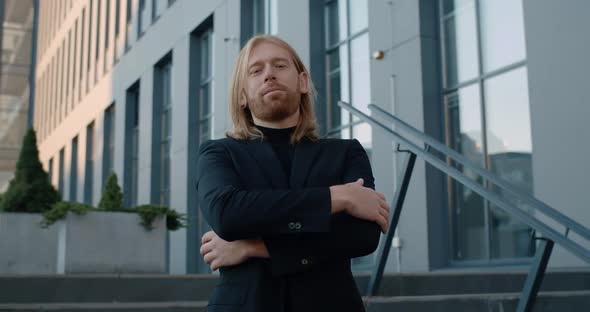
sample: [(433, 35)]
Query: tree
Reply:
[(30, 189), (112, 198)]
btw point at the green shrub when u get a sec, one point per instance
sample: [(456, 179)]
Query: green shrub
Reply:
[(149, 213), (30, 189), (112, 198), (60, 211)]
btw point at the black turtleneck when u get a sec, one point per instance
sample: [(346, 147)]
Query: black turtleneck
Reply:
[(279, 140)]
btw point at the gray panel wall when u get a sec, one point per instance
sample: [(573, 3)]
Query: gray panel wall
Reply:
[(404, 83), (557, 55)]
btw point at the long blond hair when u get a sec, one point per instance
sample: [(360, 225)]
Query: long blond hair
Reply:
[(243, 125)]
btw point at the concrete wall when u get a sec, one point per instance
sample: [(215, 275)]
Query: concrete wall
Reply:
[(115, 242), (557, 58), (399, 84), (25, 247)]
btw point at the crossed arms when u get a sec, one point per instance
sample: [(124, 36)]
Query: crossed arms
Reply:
[(316, 224)]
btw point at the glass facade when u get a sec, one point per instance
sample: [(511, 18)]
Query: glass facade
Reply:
[(16, 38), (164, 72), (347, 75), (347, 67), (60, 173), (488, 120), (109, 143), (74, 170), (132, 147), (206, 79), (89, 166), (265, 20)]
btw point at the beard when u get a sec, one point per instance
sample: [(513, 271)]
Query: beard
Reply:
[(275, 106)]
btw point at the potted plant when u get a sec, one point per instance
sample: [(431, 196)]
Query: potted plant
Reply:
[(110, 238), (26, 247)]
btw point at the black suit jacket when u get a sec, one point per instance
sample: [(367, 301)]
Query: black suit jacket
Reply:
[(244, 193)]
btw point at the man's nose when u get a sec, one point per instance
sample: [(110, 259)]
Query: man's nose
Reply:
[(269, 73)]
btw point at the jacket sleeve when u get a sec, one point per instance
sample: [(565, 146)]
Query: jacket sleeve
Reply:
[(348, 237), (236, 213)]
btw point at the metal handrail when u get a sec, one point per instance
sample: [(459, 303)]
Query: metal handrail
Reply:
[(538, 225), (342, 127), (569, 223)]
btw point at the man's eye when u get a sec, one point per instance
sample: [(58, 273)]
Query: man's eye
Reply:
[(255, 71), (280, 66)]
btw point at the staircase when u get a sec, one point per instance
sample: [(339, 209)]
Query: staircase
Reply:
[(447, 291)]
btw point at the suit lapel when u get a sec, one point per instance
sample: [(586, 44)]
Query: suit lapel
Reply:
[(268, 163), (303, 158)]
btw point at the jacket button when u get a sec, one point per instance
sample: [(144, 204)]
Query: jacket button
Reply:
[(291, 225), (304, 261), (297, 226)]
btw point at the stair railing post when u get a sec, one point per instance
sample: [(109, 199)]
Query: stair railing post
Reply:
[(535, 276), (397, 204)]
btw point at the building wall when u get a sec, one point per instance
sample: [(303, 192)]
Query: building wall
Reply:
[(66, 117), (405, 82), (170, 33), (560, 106)]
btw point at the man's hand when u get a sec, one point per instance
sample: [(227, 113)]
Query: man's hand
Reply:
[(360, 202), (219, 253)]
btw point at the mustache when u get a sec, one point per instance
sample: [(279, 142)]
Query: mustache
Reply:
[(272, 87)]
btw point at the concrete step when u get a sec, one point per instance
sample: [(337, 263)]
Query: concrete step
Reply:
[(106, 288), (191, 288), (449, 283), (546, 302), (171, 306)]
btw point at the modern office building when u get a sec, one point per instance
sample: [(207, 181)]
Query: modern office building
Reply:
[(135, 86), (16, 39)]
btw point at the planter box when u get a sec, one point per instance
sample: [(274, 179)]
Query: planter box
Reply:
[(110, 242), (97, 242), (25, 247)]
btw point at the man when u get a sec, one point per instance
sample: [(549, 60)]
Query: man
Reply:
[(288, 210)]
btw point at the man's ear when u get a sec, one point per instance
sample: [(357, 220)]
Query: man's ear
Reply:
[(243, 100), (303, 83)]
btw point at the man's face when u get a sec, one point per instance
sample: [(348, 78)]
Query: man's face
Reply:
[(273, 85)]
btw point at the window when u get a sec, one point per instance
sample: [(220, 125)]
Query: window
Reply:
[(74, 170), (264, 16), (109, 143), (140, 18), (347, 67), (107, 36), (117, 29), (205, 81), (155, 10), (69, 58), (260, 18), (97, 49), (107, 25), (60, 172), (162, 130), (62, 81), (128, 26), (201, 76), (97, 45), (131, 146), (487, 119), (89, 167), (75, 58), (88, 51), (171, 2), (50, 170), (81, 65)]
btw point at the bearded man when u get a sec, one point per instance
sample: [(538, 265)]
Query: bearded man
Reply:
[(287, 209)]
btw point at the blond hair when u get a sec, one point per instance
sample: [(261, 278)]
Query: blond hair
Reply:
[(243, 125)]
